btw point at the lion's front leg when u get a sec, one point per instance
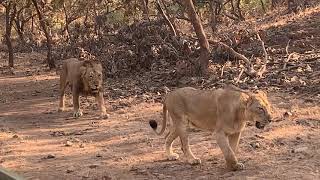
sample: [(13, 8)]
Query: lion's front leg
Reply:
[(223, 142), (76, 102), (234, 141), (101, 104)]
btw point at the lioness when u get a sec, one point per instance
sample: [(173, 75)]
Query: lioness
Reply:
[(84, 77), (223, 111)]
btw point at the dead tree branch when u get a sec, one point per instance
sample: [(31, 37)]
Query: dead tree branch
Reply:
[(173, 30), (263, 68), (289, 56)]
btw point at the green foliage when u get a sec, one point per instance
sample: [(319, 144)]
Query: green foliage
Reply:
[(249, 5)]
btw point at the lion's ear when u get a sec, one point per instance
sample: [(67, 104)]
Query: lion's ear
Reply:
[(86, 63), (83, 70), (250, 100)]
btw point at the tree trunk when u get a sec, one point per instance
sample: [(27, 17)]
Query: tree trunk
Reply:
[(50, 61), (9, 19), (263, 6), (19, 29), (215, 8), (239, 10), (204, 45)]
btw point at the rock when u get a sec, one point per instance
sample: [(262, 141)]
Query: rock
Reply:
[(258, 136), (81, 145), (15, 136), (300, 150), (287, 114), (92, 166), (70, 169), (255, 145), (68, 143), (49, 156), (99, 155), (308, 68)]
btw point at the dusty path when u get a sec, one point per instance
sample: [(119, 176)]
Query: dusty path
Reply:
[(39, 143)]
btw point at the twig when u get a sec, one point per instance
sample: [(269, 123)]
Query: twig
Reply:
[(166, 18), (289, 68), (287, 47), (238, 79), (264, 66), (288, 55), (287, 60), (222, 70)]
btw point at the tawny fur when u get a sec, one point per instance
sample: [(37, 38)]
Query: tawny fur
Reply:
[(84, 77), (223, 111)]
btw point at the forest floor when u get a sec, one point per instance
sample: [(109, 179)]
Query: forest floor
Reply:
[(38, 142)]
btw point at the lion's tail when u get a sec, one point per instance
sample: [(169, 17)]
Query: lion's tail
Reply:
[(154, 123)]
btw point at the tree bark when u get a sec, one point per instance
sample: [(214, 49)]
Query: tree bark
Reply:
[(43, 25), (204, 44), (9, 20)]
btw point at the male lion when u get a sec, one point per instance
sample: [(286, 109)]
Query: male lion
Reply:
[(84, 77), (223, 111)]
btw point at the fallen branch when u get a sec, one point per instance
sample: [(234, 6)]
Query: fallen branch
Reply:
[(225, 48), (263, 69), (222, 70), (238, 79), (287, 60), (289, 68), (231, 51), (221, 47), (289, 56)]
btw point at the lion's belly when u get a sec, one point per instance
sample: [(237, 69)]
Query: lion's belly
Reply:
[(205, 123)]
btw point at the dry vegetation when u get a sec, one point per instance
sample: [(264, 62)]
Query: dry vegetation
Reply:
[(146, 47)]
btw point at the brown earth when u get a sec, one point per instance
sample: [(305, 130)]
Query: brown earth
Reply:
[(39, 143)]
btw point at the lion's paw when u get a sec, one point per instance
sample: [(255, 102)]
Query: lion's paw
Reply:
[(104, 115), (61, 109), (237, 167), (77, 114), (173, 157), (194, 161)]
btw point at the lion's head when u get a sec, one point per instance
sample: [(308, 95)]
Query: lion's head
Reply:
[(91, 76), (259, 109)]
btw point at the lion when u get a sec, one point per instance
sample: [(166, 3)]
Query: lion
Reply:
[(85, 78), (224, 111)]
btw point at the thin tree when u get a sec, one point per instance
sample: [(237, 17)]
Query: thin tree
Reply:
[(10, 15), (204, 44), (43, 25)]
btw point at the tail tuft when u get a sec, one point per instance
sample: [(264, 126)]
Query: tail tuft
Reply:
[(153, 124)]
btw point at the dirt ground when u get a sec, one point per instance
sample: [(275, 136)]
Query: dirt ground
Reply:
[(37, 142)]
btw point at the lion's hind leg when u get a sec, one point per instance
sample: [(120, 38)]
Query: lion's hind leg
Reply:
[(63, 85), (184, 137), (169, 141)]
